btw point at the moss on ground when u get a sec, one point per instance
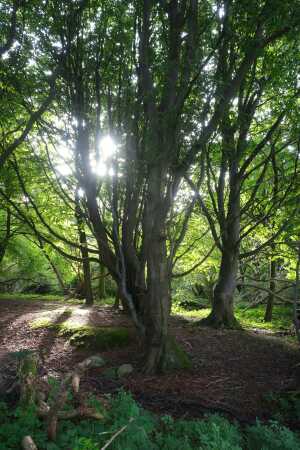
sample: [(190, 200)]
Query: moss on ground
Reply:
[(100, 338)]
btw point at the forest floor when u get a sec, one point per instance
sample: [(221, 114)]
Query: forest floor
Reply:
[(234, 372)]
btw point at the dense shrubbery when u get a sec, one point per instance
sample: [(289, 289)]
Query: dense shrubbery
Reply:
[(143, 430)]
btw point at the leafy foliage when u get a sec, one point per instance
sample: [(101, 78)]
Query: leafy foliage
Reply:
[(143, 430)]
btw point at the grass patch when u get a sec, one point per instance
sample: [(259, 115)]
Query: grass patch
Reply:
[(192, 314), (254, 317), (20, 296), (249, 319), (42, 323), (108, 301)]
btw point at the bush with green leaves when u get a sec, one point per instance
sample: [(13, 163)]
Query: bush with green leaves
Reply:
[(139, 429)]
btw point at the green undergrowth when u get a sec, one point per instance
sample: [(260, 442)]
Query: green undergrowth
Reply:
[(140, 429), (43, 297), (285, 406), (109, 301), (249, 318), (100, 338)]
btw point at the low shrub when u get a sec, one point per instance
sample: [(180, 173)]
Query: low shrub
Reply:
[(138, 429)]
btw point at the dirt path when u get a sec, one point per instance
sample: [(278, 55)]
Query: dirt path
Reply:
[(232, 370)]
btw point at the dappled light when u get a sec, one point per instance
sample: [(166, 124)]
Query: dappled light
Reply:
[(149, 225)]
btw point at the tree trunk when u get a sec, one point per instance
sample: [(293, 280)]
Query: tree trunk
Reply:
[(88, 292), (161, 352), (55, 270), (2, 251), (3, 244), (157, 308), (272, 287), (222, 314), (101, 286)]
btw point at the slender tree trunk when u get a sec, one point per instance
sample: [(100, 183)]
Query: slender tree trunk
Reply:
[(101, 287), (2, 251), (56, 271), (88, 292), (272, 287), (3, 244), (89, 299)]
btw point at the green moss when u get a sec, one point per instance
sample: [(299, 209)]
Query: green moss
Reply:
[(100, 338), (176, 356)]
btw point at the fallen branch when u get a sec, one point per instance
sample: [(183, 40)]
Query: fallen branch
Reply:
[(117, 434), (81, 411), (73, 379)]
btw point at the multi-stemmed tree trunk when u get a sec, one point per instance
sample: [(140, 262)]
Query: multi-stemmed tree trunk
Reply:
[(165, 142)]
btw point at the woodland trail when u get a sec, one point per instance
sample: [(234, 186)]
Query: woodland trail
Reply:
[(233, 371)]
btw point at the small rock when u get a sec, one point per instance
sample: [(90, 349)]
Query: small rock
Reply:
[(124, 370), (97, 361)]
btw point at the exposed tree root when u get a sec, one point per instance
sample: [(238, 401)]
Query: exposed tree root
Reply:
[(215, 321)]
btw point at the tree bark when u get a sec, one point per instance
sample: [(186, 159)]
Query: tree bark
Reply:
[(88, 292), (4, 242), (222, 314), (101, 287), (54, 268), (272, 287), (156, 308)]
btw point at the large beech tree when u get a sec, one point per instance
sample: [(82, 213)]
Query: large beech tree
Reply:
[(252, 168), (161, 78)]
